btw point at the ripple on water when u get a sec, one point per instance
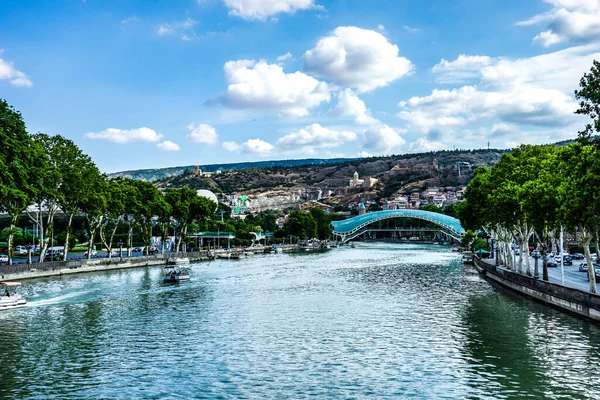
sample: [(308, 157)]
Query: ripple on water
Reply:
[(377, 321)]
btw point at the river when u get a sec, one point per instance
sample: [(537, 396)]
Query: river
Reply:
[(378, 321)]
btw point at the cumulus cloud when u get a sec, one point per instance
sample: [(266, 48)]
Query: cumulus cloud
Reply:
[(314, 137), (350, 105), (356, 58), (258, 85), (168, 146), (382, 140), (252, 146), (126, 135), (463, 68), (568, 21), (424, 145), (15, 77), (177, 27), (284, 57), (202, 133), (262, 9)]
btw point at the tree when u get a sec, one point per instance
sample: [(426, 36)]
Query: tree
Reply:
[(579, 196), (301, 224), (589, 97), (93, 205), (324, 227), (431, 208), (186, 207), (16, 167), (467, 238)]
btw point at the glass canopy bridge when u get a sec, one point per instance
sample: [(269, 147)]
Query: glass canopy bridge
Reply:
[(350, 228)]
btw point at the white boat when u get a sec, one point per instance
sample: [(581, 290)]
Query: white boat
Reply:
[(175, 275), (238, 255), (9, 298)]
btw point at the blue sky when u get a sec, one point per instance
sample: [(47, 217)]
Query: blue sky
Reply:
[(147, 84)]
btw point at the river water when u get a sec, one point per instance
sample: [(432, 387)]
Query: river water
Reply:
[(378, 321)]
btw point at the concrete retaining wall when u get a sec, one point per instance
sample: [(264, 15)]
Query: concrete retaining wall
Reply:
[(567, 299)]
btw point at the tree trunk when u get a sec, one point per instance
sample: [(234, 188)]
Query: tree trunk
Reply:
[(544, 261), (129, 239), (591, 270), (67, 237), (9, 240)]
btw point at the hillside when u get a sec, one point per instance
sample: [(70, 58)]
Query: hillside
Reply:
[(162, 173), (278, 186)]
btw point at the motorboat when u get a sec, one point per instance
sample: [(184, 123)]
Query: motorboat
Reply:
[(9, 298), (174, 274), (238, 255), (467, 257), (179, 261)]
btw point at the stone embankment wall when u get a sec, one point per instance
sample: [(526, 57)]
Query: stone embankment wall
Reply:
[(567, 299)]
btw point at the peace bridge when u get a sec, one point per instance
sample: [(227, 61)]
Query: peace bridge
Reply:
[(351, 228)]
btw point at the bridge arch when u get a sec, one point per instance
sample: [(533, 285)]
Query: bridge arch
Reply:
[(350, 228)]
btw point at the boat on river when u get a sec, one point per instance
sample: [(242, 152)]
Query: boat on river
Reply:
[(175, 274), (467, 257), (353, 245), (9, 298)]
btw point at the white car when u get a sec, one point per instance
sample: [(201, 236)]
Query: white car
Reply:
[(21, 250), (3, 258), (93, 253)]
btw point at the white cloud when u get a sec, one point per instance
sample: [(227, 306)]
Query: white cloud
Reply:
[(364, 154), (350, 105), (177, 27), (383, 140), (568, 20), (410, 30), (16, 77), (258, 85), (168, 146), (231, 146), (284, 57), (263, 9), (357, 58), (423, 145), (126, 135), (202, 133), (130, 20), (463, 68), (252, 146), (381, 27), (314, 137)]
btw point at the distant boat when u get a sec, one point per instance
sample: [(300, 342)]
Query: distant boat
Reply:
[(9, 298), (353, 245), (174, 274)]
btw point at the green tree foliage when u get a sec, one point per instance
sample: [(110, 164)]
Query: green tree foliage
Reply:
[(589, 100), (431, 208), (17, 179), (301, 224), (323, 220), (467, 239)]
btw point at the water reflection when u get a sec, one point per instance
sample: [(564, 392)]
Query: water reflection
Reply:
[(378, 321)]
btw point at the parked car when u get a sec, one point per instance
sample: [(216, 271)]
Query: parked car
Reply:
[(583, 266), (597, 271), (137, 249), (536, 254), (578, 256), (567, 260), (21, 250), (3, 259), (551, 262), (93, 253), (517, 252)]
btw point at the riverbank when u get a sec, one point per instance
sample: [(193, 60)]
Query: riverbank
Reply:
[(20, 272), (567, 299)]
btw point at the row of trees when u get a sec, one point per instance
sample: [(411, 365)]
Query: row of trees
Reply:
[(535, 191), (41, 175)]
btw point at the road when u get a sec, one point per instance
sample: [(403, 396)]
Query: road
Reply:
[(573, 278)]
